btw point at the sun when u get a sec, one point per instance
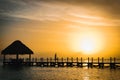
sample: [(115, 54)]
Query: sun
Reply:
[(87, 45), (89, 42)]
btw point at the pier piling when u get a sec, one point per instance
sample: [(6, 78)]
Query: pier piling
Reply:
[(112, 63)]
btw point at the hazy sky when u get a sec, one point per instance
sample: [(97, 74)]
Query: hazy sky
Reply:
[(62, 26)]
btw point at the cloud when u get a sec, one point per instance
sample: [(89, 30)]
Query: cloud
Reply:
[(87, 12), (35, 11)]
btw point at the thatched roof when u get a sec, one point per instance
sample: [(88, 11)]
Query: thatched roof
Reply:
[(17, 47)]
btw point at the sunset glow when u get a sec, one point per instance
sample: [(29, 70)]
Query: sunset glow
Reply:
[(88, 41), (62, 27), (59, 39)]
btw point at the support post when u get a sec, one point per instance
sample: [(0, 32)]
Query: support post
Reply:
[(17, 57), (72, 59), (102, 60), (47, 60), (62, 59), (29, 57), (92, 59), (55, 58), (67, 59), (110, 59), (4, 58), (88, 64), (112, 64), (81, 60), (98, 60), (114, 60), (88, 59), (77, 59)]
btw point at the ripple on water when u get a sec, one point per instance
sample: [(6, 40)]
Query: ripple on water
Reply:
[(38, 73)]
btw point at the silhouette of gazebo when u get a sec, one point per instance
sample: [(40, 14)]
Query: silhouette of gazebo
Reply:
[(16, 48)]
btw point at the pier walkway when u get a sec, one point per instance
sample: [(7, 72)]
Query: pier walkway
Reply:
[(112, 63)]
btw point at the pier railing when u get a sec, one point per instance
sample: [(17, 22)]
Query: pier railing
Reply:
[(67, 62)]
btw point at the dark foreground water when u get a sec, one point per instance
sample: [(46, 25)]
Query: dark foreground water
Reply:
[(38, 73)]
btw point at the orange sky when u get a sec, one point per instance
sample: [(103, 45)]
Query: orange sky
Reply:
[(68, 29)]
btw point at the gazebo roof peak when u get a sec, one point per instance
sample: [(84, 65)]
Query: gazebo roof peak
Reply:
[(17, 47)]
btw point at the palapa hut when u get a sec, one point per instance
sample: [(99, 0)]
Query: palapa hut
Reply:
[(16, 48)]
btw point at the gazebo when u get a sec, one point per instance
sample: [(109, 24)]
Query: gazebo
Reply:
[(16, 48)]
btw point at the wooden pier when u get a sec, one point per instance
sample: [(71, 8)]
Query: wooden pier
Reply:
[(18, 48), (112, 63)]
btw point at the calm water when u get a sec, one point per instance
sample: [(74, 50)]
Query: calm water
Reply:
[(38, 73)]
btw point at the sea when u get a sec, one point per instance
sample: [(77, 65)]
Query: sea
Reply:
[(57, 73)]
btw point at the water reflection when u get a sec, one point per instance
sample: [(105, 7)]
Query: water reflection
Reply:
[(38, 73), (85, 78), (86, 74)]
